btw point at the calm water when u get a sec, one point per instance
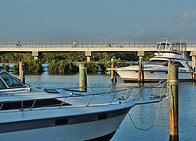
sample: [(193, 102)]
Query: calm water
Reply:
[(143, 115)]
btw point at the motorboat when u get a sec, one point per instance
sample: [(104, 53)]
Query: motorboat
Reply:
[(29, 113), (157, 68)]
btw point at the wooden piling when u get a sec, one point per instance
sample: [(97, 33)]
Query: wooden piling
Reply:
[(83, 77), (141, 72), (173, 101), (113, 76), (193, 63), (22, 72)]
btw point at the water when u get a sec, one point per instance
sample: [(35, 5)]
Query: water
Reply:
[(143, 115)]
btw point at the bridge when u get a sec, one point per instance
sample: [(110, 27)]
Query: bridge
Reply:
[(86, 46)]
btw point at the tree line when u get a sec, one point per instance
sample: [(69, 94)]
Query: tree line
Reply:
[(66, 62)]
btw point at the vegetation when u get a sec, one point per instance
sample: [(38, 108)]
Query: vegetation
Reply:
[(92, 66), (62, 67), (67, 57), (6, 67), (15, 68), (31, 66), (148, 55), (15, 57), (64, 62)]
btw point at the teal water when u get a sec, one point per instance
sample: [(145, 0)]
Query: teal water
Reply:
[(143, 115)]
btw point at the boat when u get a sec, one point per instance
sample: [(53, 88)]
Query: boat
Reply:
[(29, 113), (157, 68)]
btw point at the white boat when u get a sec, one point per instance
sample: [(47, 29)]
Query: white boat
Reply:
[(157, 68), (29, 114)]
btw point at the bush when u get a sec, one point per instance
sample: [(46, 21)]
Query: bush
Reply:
[(15, 68), (31, 66), (62, 67), (92, 66), (6, 67)]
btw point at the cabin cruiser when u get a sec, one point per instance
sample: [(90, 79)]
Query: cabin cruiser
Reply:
[(157, 68), (56, 114)]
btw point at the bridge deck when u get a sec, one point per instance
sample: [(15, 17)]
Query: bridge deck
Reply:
[(45, 46)]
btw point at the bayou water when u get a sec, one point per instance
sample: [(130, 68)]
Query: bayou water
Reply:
[(143, 116)]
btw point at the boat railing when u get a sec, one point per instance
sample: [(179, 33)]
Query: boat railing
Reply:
[(117, 96)]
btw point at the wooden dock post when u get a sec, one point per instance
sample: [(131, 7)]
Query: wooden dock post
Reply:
[(140, 69), (22, 72), (193, 54), (83, 77), (113, 74), (173, 100), (141, 72)]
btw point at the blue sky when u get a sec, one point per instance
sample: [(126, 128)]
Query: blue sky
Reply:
[(97, 19)]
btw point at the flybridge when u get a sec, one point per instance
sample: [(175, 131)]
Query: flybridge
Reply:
[(169, 46)]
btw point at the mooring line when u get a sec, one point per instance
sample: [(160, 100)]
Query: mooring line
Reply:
[(143, 129), (155, 121)]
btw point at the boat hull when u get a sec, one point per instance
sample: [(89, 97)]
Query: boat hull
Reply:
[(92, 122), (100, 129), (151, 76)]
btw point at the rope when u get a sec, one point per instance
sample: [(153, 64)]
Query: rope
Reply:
[(139, 128), (155, 121), (173, 82), (148, 128)]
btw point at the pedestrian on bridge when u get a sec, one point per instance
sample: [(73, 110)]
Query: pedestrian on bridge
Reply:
[(18, 44), (74, 43), (109, 44)]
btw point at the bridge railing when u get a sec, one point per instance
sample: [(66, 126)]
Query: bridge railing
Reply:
[(80, 43), (84, 43)]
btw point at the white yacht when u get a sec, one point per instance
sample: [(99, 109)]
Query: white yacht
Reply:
[(35, 114), (157, 68)]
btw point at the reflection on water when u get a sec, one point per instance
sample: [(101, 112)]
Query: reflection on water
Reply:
[(143, 115)]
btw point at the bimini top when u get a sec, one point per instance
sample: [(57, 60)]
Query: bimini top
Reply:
[(8, 81)]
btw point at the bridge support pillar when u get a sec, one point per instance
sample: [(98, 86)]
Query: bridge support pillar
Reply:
[(88, 55), (193, 54), (35, 54)]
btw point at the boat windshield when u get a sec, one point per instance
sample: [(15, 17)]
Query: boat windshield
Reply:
[(158, 62), (6, 81), (165, 63)]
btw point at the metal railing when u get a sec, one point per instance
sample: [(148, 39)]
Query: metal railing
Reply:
[(124, 95), (85, 43)]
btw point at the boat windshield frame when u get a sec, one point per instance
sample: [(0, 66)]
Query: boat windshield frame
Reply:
[(7, 81)]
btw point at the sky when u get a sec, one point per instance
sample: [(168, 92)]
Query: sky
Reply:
[(97, 19)]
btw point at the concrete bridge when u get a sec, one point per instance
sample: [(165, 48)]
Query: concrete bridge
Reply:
[(37, 47)]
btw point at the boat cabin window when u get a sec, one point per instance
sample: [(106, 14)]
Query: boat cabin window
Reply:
[(32, 104), (10, 81), (178, 64), (2, 85), (164, 63), (158, 62)]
